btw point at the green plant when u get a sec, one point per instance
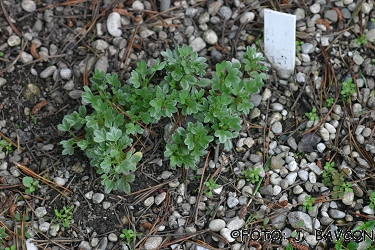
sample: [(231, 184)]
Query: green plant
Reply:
[(340, 186), (372, 200), (211, 209), (211, 185), (64, 216), (251, 174), (361, 40), (348, 89), (329, 102), (312, 115), (3, 235), (1, 54), (120, 112), (328, 171), (298, 45), (6, 145), (20, 218), (308, 203), (30, 184), (129, 236), (33, 118)]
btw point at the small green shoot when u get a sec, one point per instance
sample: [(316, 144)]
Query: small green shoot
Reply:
[(6, 145), (308, 203), (329, 102), (327, 173), (3, 235), (129, 236), (348, 89), (1, 54), (211, 185), (64, 216), (33, 118), (312, 115), (251, 175), (30, 184), (361, 40), (372, 200), (298, 45)]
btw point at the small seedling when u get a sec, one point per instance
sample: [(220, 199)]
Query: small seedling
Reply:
[(308, 203), (251, 174), (348, 89), (6, 145), (211, 185), (373, 61), (327, 173), (298, 45), (329, 102), (30, 184), (372, 200), (312, 115), (361, 40), (33, 118), (1, 54), (20, 218), (340, 186), (129, 236), (12, 247), (3, 235), (64, 216)]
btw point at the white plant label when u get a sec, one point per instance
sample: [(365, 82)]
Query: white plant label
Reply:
[(280, 39)]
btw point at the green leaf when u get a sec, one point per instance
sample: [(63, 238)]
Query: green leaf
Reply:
[(114, 134), (100, 135), (82, 144), (88, 96), (136, 157), (113, 80), (65, 126), (223, 135), (27, 181), (134, 79)]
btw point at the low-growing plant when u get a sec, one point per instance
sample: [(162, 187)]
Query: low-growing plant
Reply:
[(129, 236), (308, 203), (211, 185), (121, 112), (64, 216), (298, 45), (348, 89), (329, 102), (340, 186), (19, 218), (312, 115), (30, 184), (251, 174), (3, 235), (361, 40), (372, 200), (328, 171), (6, 145)]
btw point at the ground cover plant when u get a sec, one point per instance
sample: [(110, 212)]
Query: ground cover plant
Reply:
[(121, 112)]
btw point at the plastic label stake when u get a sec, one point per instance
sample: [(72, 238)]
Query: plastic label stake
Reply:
[(280, 39)]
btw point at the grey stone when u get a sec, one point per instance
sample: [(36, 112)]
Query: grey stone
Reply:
[(97, 198), (204, 18), (28, 5), (291, 178), (348, 198), (84, 245), (44, 227), (247, 17), (277, 128), (232, 202), (160, 198), (295, 217), (75, 94), (284, 74), (14, 40), (25, 57), (370, 35), (336, 214), (357, 58), (216, 225), (47, 72), (299, 13), (65, 73), (112, 237), (216, 56), (114, 24), (331, 15), (210, 37), (292, 143), (226, 12), (368, 210), (198, 44), (314, 8), (307, 48), (214, 7), (235, 223), (3, 81), (149, 201), (266, 190), (226, 233), (276, 162), (40, 212)]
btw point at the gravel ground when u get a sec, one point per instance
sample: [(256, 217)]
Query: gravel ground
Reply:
[(50, 48)]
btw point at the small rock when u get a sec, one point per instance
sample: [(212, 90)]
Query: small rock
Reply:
[(276, 162), (247, 17), (75, 94), (226, 233), (331, 15), (277, 128), (348, 198), (232, 202), (160, 198), (331, 129), (100, 45), (44, 227), (14, 40), (59, 180), (295, 217), (210, 37), (114, 24), (235, 223), (146, 33), (336, 214), (65, 73), (153, 243), (84, 245), (214, 7), (102, 64), (291, 178), (112, 237), (28, 5), (97, 198), (138, 5), (315, 8), (198, 44), (368, 210), (149, 201), (204, 18), (54, 230), (47, 72), (226, 12), (25, 57), (284, 74), (321, 147), (48, 16), (324, 133), (40, 212), (216, 225), (3, 81)]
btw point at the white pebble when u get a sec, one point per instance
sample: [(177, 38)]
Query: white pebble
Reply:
[(324, 133), (210, 37), (14, 40), (247, 17), (138, 5), (60, 181), (331, 129), (321, 147), (26, 57), (28, 5), (114, 24), (312, 177), (65, 73), (198, 44), (276, 190)]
